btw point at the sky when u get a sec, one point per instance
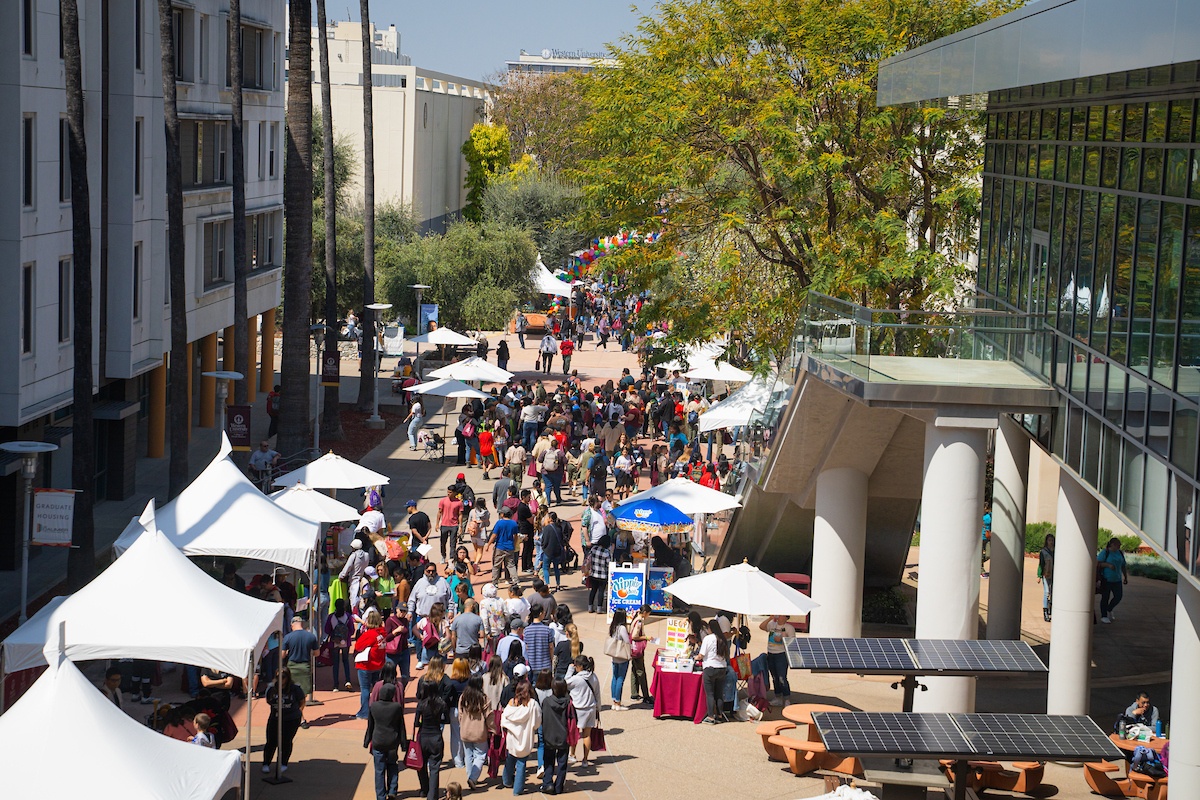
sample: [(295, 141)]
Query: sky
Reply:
[(473, 38)]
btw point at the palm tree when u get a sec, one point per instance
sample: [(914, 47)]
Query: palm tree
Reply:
[(81, 563), (241, 334), (177, 469), (298, 239), (366, 367), (331, 421)]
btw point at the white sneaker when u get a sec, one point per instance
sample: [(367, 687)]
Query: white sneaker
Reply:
[(1105, 619), (1112, 615), (283, 768), (266, 768), (776, 701), (541, 771)]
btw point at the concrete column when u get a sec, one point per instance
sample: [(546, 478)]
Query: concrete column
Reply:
[(156, 418), (951, 548), (839, 537), (252, 359), (191, 366), (229, 361), (208, 386), (266, 379), (1069, 686), (1185, 693), (1007, 566)]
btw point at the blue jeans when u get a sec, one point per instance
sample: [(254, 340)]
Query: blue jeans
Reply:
[(556, 769), (403, 663), (413, 427), (731, 695), (387, 773), (340, 655), (193, 679), (529, 434), (521, 338), (620, 670), (476, 755), (366, 681), (1047, 590), (456, 744), (473, 450), (517, 782), (554, 484), (777, 664), (541, 748), (546, 563)]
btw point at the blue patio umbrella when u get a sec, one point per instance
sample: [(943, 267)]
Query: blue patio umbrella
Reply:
[(652, 517)]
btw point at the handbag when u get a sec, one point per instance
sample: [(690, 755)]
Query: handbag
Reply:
[(617, 648), (430, 637), (596, 742), (741, 667), (532, 470), (414, 757), (572, 725)]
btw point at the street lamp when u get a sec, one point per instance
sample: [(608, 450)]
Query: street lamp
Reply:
[(223, 376), (376, 421), (29, 459), (316, 331), (416, 361)]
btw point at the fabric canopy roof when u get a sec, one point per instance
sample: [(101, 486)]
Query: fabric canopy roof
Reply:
[(306, 502), (736, 409), (444, 336), (742, 589), (223, 514), (472, 369), (116, 616), (332, 471), (688, 497), (717, 371), (112, 757), (446, 387), (548, 284)]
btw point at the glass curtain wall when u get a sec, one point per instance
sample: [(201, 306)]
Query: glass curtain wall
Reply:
[(1091, 220)]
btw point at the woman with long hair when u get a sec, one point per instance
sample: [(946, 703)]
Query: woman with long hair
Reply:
[(516, 655), (619, 646), (476, 721), (431, 715), (384, 738), (371, 643), (714, 649), (293, 713), (521, 719), (435, 675), (431, 632), (460, 673), (494, 681), (1045, 575), (566, 651), (637, 632), (585, 696)]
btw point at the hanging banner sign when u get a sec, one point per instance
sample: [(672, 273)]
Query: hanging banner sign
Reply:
[(393, 340), (53, 517), (429, 318), (331, 364), (237, 427)]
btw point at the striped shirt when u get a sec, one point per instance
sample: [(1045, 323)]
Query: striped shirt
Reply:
[(539, 647)]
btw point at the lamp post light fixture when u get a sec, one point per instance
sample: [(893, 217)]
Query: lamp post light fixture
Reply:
[(376, 421), (418, 287), (29, 452), (317, 331)]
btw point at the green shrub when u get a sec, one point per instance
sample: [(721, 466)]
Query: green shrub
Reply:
[(916, 540), (1036, 532), (886, 607), (1151, 566)]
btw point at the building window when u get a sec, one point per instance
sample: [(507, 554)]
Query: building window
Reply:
[(28, 161), (137, 34), (28, 13), (137, 280), (272, 143), (205, 153), (262, 150), (202, 69), (138, 125), (222, 151), (254, 57), (216, 249), (27, 309), (260, 234), (181, 30), (64, 160), (65, 315), (274, 62)]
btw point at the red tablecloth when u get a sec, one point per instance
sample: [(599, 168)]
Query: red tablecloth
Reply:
[(678, 694)]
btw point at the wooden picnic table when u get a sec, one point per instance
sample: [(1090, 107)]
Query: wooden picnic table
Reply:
[(1129, 745)]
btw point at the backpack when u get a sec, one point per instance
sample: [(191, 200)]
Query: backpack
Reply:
[(693, 417), (340, 633), (552, 460), (272, 404)]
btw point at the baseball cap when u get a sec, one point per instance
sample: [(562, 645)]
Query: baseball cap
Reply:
[(520, 670), (462, 477), (518, 623), (411, 504), (372, 573)]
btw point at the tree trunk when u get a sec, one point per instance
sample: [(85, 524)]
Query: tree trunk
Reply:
[(81, 562), (180, 420), (331, 419), (297, 264), (366, 366), (241, 314)]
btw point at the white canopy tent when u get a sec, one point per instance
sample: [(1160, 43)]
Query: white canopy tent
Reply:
[(688, 497), (223, 514), (110, 755), (742, 589), (736, 409), (332, 471), (548, 284), (717, 371), (112, 616), (444, 336), (304, 501), (472, 369), (698, 355)]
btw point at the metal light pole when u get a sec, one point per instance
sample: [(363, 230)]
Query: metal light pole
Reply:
[(376, 421), (29, 460), (223, 377), (419, 287), (316, 331)]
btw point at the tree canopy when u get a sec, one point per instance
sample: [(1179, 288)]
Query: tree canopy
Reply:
[(543, 204), (487, 153), (542, 112)]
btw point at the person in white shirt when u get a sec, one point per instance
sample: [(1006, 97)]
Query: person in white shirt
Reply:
[(415, 419), (203, 738), (778, 630), (516, 604), (714, 650), (546, 351), (372, 519), (263, 460)]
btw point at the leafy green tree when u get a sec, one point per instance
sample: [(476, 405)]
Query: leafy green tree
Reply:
[(487, 153), (543, 204), (395, 224), (543, 113)]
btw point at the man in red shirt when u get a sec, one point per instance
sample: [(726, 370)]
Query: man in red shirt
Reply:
[(449, 510), (565, 348)]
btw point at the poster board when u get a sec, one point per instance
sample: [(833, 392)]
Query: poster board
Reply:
[(53, 517), (677, 635), (392, 343), (658, 580), (627, 588)]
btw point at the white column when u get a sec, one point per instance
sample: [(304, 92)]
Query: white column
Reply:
[(1069, 686), (951, 548), (1007, 565), (1185, 693), (839, 537)]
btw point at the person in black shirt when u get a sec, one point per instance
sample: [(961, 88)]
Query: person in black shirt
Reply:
[(293, 713), (432, 714), (385, 737), (525, 528), (418, 521)]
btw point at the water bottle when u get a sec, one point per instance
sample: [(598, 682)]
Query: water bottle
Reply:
[(1121, 731), (1158, 728)]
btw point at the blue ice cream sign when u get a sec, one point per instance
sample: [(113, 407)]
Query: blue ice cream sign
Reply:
[(626, 589)]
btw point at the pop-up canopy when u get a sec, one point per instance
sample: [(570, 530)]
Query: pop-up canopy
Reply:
[(223, 514), (117, 615), (113, 757), (738, 407), (548, 284)]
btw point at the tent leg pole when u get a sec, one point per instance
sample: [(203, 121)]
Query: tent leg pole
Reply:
[(314, 597), (249, 699)]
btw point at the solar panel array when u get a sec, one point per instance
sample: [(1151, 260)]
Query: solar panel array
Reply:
[(995, 736), (912, 656)]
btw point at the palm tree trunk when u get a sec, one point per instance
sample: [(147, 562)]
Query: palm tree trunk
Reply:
[(81, 563), (366, 380), (331, 420), (180, 422), (241, 334), (298, 240)]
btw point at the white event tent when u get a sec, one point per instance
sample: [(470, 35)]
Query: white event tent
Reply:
[(738, 407), (687, 496), (223, 514), (548, 284), (114, 616), (307, 502), (444, 336), (472, 369), (110, 756), (332, 471)]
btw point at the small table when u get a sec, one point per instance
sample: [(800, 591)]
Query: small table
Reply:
[(678, 694), (1129, 745), (801, 714)]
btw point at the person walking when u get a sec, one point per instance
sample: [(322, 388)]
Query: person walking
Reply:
[(415, 419), (714, 650), (503, 542), (546, 351), (293, 700), (337, 631), (778, 630), (521, 325), (637, 633), (566, 348), (552, 539), (369, 656), (298, 647), (520, 720), (476, 722), (619, 647), (273, 400), (502, 354), (585, 696), (432, 714), (556, 712), (449, 512), (385, 737), (1045, 574), (596, 568), (1116, 575)]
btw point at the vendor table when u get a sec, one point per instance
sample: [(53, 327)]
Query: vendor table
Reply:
[(678, 694)]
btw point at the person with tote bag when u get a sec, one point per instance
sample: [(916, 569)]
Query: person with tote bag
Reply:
[(384, 738), (618, 646)]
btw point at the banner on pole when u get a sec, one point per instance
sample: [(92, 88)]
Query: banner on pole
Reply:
[(237, 427), (331, 364), (429, 318), (53, 517), (393, 340)]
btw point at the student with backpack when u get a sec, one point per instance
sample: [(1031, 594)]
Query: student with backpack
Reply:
[(553, 470), (337, 632)]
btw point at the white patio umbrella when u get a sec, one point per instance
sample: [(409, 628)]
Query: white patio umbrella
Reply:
[(472, 369), (444, 336), (306, 502), (331, 471), (688, 496), (717, 371), (447, 387), (742, 589), (738, 407)]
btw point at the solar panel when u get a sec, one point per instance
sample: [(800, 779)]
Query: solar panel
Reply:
[(1033, 735), (850, 655), (891, 734), (953, 655)]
